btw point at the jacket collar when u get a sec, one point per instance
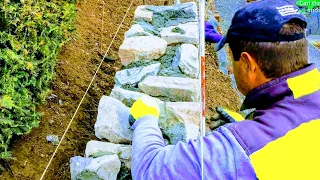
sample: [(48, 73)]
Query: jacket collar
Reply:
[(272, 91)]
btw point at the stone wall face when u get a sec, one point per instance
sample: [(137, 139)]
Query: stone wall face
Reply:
[(160, 58)]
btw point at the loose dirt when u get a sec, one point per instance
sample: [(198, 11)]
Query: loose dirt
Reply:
[(96, 23), (218, 86)]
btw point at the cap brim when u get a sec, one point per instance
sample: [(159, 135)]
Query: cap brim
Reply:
[(221, 43)]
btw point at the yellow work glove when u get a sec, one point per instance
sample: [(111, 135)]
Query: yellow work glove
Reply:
[(229, 116), (144, 106)]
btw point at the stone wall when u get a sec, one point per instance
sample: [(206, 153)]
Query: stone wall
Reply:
[(160, 58)]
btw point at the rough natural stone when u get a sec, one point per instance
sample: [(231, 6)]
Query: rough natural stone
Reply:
[(180, 121), (135, 75), (113, 121), (170, 63), (223, 60), (88, 175), (233, 81), (93, 147), (178, 30), (176, 58), (140, 63), (187, 113), (147, 27), (175, 132), (127, 97), (107, 167), (189, 60), (141, 48), (164, 16), (77, 165), (136, 30), (192, 131), (54, 139), (190, 36), (143, 13), (173, 88), (103, 148)]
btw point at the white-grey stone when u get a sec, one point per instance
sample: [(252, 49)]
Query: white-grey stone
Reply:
[(143, 14), (189, 60), (113, 121), (107, 167), (125, 152), (191, 35), (125, 155), (192, 131), (135, 75), (188, 113), (97, 147), (165, 16), (174, 88), (127, 97), (141, 48), (93, 147), (53, 138), (77, 165), (136, 30), (180, 121)]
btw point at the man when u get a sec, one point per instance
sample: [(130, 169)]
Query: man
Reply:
[(271, 69)]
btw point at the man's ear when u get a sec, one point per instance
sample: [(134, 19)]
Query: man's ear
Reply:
[(249, 61)]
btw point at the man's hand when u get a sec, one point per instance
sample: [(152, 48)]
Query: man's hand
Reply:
[(228, 116), (144, 106), (211, 34), (222, 117)]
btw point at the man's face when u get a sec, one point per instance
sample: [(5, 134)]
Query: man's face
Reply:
[(247, 73), (241, 77)]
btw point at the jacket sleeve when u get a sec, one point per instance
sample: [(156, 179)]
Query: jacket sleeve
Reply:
[(151, 159)]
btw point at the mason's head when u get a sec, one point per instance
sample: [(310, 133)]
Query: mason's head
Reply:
[(267, 40)]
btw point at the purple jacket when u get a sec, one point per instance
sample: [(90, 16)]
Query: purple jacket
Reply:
[(279, 143)]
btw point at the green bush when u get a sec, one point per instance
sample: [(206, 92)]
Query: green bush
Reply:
[(31, 35)]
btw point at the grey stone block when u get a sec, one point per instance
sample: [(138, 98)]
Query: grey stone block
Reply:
[(113, 121), (135, 75), (173, 88)]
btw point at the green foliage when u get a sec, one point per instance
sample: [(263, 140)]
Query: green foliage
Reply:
[(31, 35)]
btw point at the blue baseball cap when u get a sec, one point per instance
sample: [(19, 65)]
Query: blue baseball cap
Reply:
[(261, 21)]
